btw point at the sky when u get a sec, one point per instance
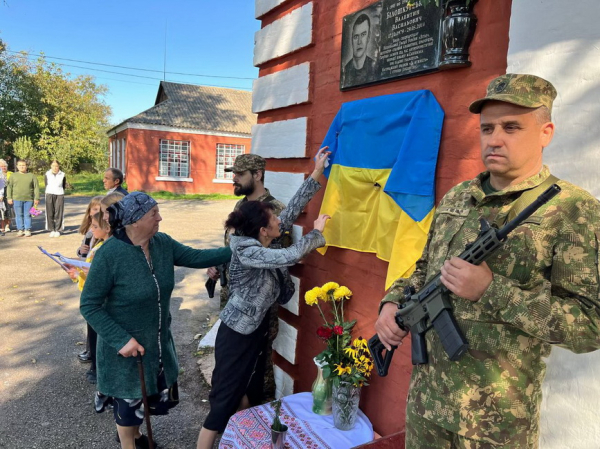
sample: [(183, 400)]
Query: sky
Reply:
[(193, 37)]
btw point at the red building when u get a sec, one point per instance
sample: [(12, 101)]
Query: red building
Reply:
[(183, 143)]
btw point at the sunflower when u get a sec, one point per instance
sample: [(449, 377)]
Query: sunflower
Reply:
[(342, 293)]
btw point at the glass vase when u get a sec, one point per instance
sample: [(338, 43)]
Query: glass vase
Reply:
[(345, 405), (321, 393)]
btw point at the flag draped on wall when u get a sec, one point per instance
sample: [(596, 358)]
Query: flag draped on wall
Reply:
[(380, 190)]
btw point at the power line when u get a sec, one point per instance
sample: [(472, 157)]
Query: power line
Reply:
[(129, 68), (140, 76)]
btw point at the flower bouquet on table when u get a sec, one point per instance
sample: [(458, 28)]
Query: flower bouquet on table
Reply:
[(346, 363)]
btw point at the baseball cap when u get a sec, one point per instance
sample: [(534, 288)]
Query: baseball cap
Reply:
[(529, 91), (247, 162)]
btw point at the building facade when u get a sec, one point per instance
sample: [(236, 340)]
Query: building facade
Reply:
[(183, 143)]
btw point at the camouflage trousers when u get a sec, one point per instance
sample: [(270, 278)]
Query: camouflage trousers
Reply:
[(424, 434)]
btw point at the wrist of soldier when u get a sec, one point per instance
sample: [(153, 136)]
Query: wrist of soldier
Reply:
[(386, 301)]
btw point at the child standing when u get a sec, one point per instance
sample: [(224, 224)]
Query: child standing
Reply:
[(100, 231)]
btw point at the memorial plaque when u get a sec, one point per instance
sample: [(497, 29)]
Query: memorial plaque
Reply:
[(393, 39), (410, 38)]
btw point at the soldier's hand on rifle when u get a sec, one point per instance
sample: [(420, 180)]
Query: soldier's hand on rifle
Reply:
[(213, 273), (466, 280), (388, 331)]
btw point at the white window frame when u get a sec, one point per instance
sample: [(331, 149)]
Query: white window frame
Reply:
[(172, 171), (225, 157)]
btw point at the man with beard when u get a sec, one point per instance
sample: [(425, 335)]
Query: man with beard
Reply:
[(248, 180)]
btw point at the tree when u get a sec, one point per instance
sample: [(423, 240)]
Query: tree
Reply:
[(63, 116), (24, 149)]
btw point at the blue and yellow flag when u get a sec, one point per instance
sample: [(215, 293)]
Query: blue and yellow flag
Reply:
[(380, 190)]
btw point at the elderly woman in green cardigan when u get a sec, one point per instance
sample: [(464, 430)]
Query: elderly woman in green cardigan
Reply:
[(126, 300)]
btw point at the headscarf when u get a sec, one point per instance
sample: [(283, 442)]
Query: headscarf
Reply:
[(129, 210)]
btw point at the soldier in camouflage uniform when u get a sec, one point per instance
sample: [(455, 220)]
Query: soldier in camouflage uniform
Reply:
[(248, 180), (539, 289)]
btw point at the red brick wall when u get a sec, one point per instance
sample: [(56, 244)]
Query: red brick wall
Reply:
[(384, 400), (142, 152)]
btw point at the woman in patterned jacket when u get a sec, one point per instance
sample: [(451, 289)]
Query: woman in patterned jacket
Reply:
[(254, 286)]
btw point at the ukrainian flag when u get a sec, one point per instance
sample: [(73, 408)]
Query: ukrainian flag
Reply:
[(380, 190)]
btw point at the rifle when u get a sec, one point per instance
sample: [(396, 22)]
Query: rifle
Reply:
[(431, 306), (211, 284)]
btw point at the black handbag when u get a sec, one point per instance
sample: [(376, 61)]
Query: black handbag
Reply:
[(286, 287)]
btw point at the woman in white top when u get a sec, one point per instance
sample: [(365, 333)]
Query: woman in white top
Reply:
[(56, 182)]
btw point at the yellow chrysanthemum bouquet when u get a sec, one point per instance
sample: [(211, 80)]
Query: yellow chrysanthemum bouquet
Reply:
[(344, 360)]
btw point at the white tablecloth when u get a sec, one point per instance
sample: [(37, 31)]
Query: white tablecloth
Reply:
[(251, 428)]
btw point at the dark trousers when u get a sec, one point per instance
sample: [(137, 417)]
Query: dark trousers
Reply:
[(239, 370), (92, 338), (55, 212)]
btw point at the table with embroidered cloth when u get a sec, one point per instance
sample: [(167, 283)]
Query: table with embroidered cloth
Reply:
[(251, 428)]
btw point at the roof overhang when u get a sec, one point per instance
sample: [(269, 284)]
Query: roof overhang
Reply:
[(128, 125)]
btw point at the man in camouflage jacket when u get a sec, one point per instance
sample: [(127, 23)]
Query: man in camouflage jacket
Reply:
[(248, 180), (539, 289)]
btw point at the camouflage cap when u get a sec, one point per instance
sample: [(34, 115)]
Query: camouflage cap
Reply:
[(247, 162), (529, 91)]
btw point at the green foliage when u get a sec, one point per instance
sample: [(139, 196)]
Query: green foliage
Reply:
[(85, 184), (64, 117), (23, 149), (90, 184)]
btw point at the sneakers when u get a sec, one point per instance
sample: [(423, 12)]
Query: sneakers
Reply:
[(27, 233), (101, 403), (21, 233), (7, 228), (84, 357), (54, 234)]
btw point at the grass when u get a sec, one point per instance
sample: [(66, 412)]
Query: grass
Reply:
[(90, 184)]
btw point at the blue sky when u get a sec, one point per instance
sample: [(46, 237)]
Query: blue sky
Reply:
[(202, 38)]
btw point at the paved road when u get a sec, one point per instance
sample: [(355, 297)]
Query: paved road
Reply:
[(45, 401)]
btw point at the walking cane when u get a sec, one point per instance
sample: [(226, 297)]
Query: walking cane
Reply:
[(145, 401)]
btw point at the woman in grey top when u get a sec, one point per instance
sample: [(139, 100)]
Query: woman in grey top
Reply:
[(254, 287)]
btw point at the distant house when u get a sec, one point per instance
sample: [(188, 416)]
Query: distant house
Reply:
[(183, 143)]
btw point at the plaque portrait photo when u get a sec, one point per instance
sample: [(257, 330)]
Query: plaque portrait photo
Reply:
[(390, 39), (361, 37)]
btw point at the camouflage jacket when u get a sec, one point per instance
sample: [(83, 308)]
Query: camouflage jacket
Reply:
[(544, 291)]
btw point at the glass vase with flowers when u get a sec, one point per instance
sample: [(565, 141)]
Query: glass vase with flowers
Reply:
[(345, 362)]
